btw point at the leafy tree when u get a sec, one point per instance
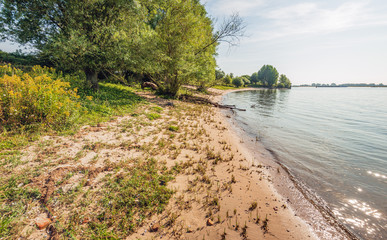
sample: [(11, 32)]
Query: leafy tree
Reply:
[(171, 42), (182, 31), (254, 78), (238, 82), (227, 79), (219, 74), (268, 75), (18, 58), (284, 82), (91, 36), (245, 80), (247, 77)]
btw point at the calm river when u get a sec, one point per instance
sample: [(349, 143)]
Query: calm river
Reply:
[(334, 140)]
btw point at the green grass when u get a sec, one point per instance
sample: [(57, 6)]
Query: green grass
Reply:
[(173, 128), (157, 109), (13, 201), (110, 100), (153, 116), (129, 199), (225, 87)]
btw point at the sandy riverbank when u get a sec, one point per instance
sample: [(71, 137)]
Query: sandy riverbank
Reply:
[(303, 201), (237, 215), (221, 191)]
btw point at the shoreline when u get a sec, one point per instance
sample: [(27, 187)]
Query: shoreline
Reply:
[(221, 189), (292, 188)]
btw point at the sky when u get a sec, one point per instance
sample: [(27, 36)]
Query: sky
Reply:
[(330, 41)]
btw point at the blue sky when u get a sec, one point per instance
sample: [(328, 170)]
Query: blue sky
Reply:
[(309, 41)]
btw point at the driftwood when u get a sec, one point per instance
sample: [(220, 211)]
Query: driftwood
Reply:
[(149, 84), (201, 100), (232, 107)]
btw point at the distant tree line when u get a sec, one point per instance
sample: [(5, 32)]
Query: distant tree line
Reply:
[(342, 85), (267, 76)]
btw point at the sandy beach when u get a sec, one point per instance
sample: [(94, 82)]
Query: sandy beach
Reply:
[(221, 189)]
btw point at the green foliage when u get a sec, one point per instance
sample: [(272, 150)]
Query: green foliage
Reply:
[(18, 59), (254, 78), (219, 74), (41, 96), (227, 79), (170, 43), (77, 35), (268, 75), (245, 80), (284, 82), (238, 82), (182, 34)]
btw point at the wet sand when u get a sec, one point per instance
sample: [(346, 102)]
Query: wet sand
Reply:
[(305, 204)]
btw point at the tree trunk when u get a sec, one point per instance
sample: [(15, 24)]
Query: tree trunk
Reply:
[(92, 78), (174, 86)]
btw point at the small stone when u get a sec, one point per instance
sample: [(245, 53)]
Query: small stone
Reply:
[(275, 208), (155, 227), (86, 220), (42, 223), (210, 222)]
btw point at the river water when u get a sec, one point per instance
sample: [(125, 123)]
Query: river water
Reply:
[(333, 140)]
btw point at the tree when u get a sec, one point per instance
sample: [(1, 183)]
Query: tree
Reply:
[(230, 31), (90, 35), (238, 82), (268, 75), (227, 79), (219, 74), (254, 78), (245, 80), (182, 31), (171, 42), (284, 82)]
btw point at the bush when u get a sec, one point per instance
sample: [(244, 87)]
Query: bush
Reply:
[(40, 96), (237, 82)]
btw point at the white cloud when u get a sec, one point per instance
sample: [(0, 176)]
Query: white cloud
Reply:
[(312, 18)]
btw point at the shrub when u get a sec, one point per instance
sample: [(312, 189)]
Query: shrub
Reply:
[(40, 96)]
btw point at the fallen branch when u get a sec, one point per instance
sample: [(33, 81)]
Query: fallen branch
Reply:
[(201, 100)]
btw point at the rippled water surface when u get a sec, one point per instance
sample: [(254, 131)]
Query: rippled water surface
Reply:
[(332, 139)]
